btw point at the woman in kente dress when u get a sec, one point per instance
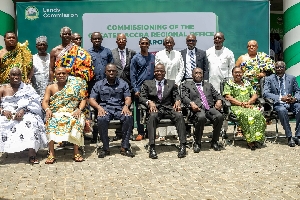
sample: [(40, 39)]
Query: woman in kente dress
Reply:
[(242, 97)]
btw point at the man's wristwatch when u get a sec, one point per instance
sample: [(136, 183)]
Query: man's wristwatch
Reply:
[(127, 105)]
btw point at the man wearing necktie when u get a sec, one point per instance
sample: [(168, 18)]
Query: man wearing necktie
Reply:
[(122, 58), (283, 89), (194, 57), (205, 103), (161, 96)]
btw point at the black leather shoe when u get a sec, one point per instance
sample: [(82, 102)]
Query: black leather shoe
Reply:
[(117, 137), (224, 135), (297, 140), (182, 151), (215, 146), (126, 152), (196, 148), (291, 142), (152, 153), (103, 153)]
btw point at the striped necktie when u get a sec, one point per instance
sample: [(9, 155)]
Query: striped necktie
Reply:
[(203, 97), (192, 60)]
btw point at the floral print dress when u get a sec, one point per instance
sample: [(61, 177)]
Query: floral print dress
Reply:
[(251, 120), (252, 67)]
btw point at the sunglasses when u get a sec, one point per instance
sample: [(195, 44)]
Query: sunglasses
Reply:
[(144, 43), (279, 67), (80, 38), (191, 40)]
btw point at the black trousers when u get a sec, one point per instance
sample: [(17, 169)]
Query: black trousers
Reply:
[(163, 113), (200, 118)]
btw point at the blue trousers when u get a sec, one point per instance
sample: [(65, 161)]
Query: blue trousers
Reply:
[(284, 118), (126, 128)]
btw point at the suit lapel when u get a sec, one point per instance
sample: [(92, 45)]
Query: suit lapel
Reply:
[(127, 56), (117, 60), (287, 84)]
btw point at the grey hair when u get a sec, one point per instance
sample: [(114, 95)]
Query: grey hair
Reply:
[(65, 27)]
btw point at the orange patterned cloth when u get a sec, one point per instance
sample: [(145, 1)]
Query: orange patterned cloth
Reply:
[(19, 57), (77, 61)]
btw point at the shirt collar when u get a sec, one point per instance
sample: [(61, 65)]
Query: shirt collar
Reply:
[(101, 48), (124, 50), (193, 50), (198, 84), (106, 81), (278, 77), (162, 81)]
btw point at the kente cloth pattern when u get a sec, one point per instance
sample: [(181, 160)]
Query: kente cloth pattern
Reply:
[(19, 57), (252, 67), (16, 136), (62, 126), (252, 120), (77, 61)]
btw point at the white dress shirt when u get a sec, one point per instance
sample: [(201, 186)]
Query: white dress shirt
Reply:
[(173, 63), (221, 62), (188, 66)]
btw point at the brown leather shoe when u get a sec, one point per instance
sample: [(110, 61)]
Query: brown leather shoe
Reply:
[(139, 137)]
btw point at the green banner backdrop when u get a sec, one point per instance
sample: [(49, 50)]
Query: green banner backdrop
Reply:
[(240, 21)]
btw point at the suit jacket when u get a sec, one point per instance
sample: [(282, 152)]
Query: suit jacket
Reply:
[(149, 92), (272, 90), (191, 93), (123, 73), (201, 61)]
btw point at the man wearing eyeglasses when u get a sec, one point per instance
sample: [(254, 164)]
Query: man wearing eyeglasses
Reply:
[(76, 38), (284, 90), (141, 69), (194, 57), (122, 57)]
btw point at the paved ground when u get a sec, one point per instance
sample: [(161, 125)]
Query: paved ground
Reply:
[(271, 172)]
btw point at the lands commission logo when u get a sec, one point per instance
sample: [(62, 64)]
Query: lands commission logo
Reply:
[(31, 13)]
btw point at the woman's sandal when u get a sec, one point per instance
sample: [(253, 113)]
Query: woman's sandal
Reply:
[(239, 132), (78, 158), (32, 160), (50, 160)]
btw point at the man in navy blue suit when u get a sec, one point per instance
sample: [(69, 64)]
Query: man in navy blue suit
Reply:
[(285, 92)]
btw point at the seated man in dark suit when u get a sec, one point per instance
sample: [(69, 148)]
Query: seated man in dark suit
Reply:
[(112, 98), (161, 96), (284, 91), (205, 103)]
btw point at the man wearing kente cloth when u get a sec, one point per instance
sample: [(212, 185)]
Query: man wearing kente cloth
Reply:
[(63, 103), (21, 124), (13, 55), (74, 58)]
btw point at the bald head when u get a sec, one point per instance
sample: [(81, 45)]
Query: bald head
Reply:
[(121, 41), (15, 70)]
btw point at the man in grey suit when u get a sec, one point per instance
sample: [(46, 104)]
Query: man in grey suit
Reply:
[(194, 57), (205, 103), (121, 58), (283, 89), (162, 98)]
